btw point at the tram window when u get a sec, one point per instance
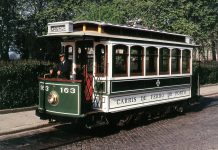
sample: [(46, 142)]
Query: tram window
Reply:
[(84, 56), (186, 57), (100, 59), (120, 56), (176, 54), (69, 52), (90, 52), (136, 60), (164, 60), (151, 61)]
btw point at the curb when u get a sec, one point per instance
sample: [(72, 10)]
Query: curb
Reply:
[(27, 129), (14, 110), (207, 85)]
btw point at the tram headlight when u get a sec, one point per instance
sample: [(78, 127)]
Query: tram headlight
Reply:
[(53, 98)]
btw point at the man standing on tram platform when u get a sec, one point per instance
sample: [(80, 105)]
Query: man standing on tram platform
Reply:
[(63, 68)]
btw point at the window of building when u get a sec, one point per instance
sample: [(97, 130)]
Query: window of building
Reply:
[(175, 64), (120, 57), (186, 58), (100, 60), (151, 61), (136, 60), (164, 61)]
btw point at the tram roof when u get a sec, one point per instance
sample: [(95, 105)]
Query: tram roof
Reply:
[(108, 30), (94, 34), (135, 27)]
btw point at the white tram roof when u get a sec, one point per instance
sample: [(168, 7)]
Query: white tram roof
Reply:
[(97, 29)]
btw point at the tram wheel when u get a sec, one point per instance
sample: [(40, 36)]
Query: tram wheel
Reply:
[(125, 120)]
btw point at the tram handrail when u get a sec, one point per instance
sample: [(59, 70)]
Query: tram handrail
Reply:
[(47, 74), (59, 80)]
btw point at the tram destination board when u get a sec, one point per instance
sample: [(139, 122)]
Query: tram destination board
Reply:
[(150, 98)]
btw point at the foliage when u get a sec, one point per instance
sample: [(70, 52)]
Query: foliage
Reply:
[(19, 82), (24, 20), (208, 72)]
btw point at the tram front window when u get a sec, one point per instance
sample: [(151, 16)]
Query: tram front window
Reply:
[(84, 57), (120, 56)]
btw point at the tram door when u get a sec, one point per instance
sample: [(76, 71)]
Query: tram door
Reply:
[(85, 51)]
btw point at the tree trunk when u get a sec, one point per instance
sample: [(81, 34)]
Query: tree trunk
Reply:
[(216, 48), (213, 48)]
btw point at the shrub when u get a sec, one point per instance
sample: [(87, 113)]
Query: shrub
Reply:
[(19, 82), (208, 72)]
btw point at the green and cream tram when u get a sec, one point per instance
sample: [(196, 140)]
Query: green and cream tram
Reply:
[(117, 71)]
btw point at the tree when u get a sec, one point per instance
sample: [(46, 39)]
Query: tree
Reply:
[(27, 19), (8, 25)]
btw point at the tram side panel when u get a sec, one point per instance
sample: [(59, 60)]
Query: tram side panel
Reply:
[(133, 94), (149, 98)]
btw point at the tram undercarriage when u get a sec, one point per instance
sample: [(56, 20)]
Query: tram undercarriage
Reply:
[(125, 118)]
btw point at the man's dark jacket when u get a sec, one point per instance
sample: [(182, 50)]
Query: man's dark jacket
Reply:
[(65, 69)]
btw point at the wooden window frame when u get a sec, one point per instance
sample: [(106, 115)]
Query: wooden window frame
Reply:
[(125, 55)]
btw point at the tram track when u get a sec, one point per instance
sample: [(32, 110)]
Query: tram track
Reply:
[(79, 139), (48, 137)]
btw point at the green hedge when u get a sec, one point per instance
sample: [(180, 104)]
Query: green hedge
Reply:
[(208, 72), (19, 83), (19, 80)]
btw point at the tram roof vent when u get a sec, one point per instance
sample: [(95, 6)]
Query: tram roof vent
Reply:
[(60, 27)]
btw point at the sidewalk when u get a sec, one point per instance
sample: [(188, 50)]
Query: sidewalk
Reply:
[(20, 121), (13, 121), (209, 89)]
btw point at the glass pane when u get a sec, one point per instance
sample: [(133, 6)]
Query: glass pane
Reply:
[(175, 61), (151, 61), (136, 60), (100, 59), (164, 61), (186, 61), (120, 60)]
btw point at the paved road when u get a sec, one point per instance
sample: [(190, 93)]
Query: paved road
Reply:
[(197, 130)]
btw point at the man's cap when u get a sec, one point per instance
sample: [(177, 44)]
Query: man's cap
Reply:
[(61, 54)]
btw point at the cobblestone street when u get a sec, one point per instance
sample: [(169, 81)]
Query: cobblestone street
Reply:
[(197, 129)]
